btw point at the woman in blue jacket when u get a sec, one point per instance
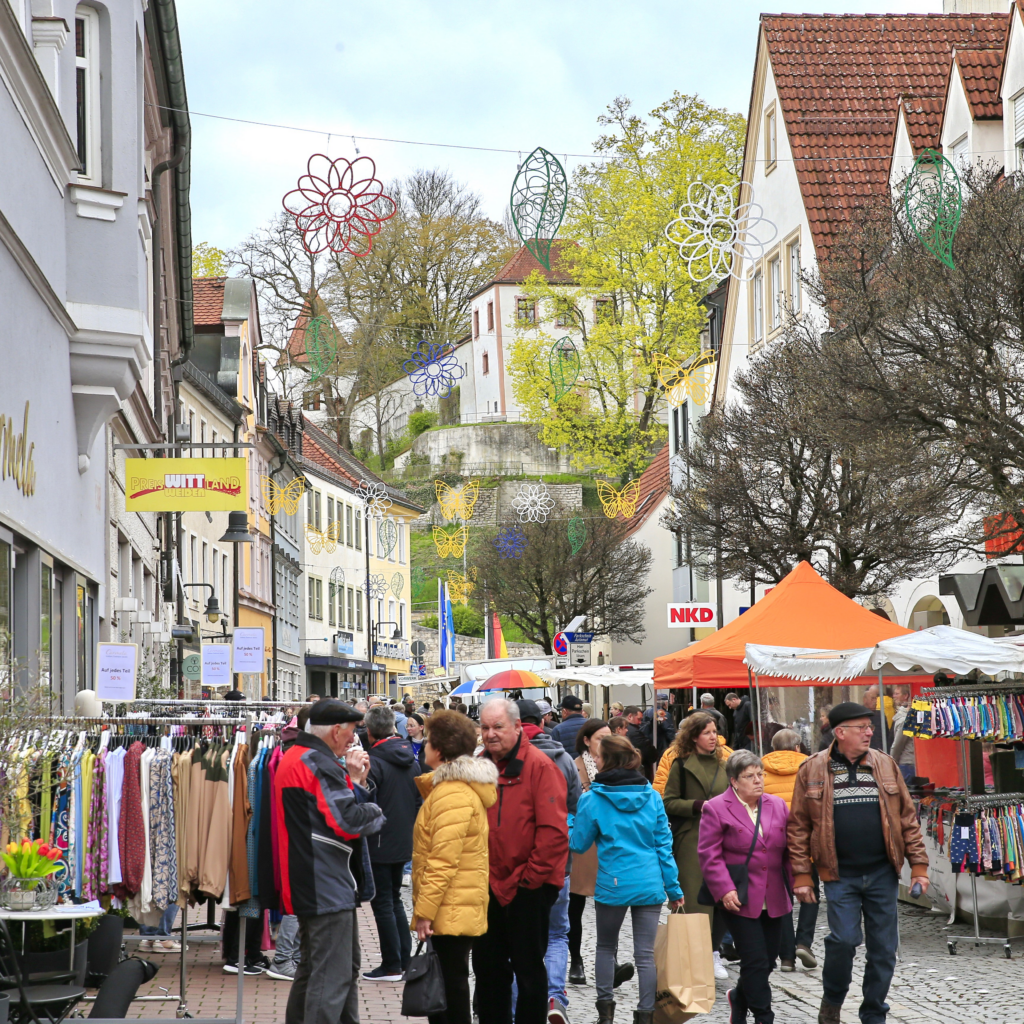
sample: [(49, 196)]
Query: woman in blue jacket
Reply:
[(636, 869)]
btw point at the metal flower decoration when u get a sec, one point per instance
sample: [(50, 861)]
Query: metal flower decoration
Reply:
[(321, 347), (540, 195), (397, 584), (510, 542), (717, 235), (387, 537), (577, 534), (564, 365), (433, 370), (339, 205), (418, 576), (533, 503), (337, 580), (375, 586), (375, 496), (934, 203)]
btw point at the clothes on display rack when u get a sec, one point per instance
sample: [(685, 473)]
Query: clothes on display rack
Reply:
[(983, 841), (980, 716)]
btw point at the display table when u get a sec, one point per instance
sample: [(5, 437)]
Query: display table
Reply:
[(71, 914)]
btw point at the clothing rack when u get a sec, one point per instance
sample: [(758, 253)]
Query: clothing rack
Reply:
[(93, 725), (973, 690)]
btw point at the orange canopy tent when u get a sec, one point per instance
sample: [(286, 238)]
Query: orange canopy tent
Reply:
[(802, 611)]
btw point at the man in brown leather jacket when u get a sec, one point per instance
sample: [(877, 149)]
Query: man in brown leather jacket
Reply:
[(853, 817)]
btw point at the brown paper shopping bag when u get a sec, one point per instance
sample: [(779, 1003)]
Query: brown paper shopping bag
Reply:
[(686, 970)]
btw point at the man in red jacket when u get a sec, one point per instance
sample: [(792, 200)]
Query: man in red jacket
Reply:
[(528, 847)]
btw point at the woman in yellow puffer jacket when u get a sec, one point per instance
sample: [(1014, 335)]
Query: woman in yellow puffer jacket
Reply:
[(449, 853)]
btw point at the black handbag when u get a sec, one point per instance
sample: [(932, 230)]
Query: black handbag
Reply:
[(424, 984), (740, 873)]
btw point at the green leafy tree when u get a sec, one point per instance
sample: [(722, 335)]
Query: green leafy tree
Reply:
[(208, 261), (632, 298)]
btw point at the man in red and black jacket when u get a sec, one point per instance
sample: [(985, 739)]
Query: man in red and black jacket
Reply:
[(322, 814), (528, 847)]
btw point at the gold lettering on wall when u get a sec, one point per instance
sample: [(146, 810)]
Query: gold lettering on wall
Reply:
[(16, 459)]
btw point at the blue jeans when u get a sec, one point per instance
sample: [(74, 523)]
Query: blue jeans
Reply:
[(874, 896), (163, 929), (556, 959), (287, 944)]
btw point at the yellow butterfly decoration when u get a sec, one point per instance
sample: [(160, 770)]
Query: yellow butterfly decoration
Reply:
[(619, 503), (323, 540), (457, 502), (450, 545), (459, 586), (285, 498), (682, 382)]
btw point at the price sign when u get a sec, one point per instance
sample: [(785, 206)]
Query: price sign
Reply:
[(247, 649), (216, 665), (116, 670)]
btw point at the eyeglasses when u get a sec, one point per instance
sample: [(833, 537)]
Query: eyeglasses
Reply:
[(857, 728), (754, 776)]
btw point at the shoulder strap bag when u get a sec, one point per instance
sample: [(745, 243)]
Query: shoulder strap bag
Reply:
[(424, 993), (740, 873)]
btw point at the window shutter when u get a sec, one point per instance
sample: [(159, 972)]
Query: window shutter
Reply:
[(1018, 119)]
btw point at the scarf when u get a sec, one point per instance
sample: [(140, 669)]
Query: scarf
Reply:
[(590, 764)]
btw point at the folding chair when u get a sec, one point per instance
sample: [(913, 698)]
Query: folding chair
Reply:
[(29, 1002)]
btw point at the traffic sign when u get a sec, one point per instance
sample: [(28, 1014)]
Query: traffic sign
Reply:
[(580, 638), (579, 654), (560, 645)]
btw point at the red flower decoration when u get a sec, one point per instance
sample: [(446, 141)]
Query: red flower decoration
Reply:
[(336, 201)]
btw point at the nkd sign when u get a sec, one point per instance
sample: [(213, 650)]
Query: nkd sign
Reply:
[(691, 615)]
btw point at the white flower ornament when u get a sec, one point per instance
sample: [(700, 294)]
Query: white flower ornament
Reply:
[(376, 498), (533, 503), (717, 235)]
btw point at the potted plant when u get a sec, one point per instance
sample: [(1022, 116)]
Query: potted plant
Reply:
[(29, 885)]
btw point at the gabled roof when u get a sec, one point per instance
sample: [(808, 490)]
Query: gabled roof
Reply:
[(524, 263), (207, 300), (839, 78), (655, 485), (980, 71), (923, 118)]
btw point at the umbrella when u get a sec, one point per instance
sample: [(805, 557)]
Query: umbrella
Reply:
[(513, 679), (462, 688)]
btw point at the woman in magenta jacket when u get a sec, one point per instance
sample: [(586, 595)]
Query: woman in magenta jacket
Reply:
[(726, 832)]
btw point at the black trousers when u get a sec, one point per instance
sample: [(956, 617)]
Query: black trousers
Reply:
[(453, 952), (253, 937), (514, 945), (389, 913), (757, 941), (577, 904)]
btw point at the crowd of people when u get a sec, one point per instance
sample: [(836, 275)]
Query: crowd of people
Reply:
[(506, 825)]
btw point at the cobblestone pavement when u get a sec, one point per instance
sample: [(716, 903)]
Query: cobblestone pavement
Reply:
[(978, 984)]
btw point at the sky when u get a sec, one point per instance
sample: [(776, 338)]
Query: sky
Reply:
[(463, 72)]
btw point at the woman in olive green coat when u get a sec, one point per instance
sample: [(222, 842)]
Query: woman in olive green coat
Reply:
[(697, 774)]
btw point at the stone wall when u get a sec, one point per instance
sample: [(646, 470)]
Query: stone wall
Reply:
[(467, 648), (494, 504), (509, 445)]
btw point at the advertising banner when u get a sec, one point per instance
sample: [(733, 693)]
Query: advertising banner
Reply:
[(692, 615), (185, 485), (116, 671), (247, 649), (216, 668)]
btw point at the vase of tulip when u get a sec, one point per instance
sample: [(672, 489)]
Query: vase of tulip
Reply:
[(29, 883)]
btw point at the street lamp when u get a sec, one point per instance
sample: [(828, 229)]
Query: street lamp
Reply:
[(238, 529), (213, 612)]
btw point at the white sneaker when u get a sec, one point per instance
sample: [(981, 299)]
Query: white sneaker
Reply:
[(720, 972), (145, 945), (167, 946), (406, 880)]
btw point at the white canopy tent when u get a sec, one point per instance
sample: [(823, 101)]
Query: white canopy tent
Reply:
[(601, 675), (938, 649)]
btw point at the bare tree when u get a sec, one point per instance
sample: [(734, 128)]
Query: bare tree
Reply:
[(548, 586), (782, 476)]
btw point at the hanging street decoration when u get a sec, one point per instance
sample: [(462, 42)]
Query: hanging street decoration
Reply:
[(717, 235), (321, 347), (433, 370), (577, 533), (564, 365), (457, 502), (533, 503), (934, 203), (459, 586), (540, 195), (683, 382), (337, 581), (450, 545), (339, 205), (375, 586), (397, 584), (323, 540), (418, 576), (387, 537), (510, 542), (282, 499), (375, 497), (619, 503)]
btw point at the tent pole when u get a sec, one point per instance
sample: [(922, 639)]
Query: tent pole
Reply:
[(882, 723), (753, 684)]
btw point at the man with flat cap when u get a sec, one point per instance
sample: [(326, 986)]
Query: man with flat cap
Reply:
[(852, 814), (322, 814)]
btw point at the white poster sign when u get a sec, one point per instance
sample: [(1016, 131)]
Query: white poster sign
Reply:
[(247, 649), (216, 669), (116, 671)]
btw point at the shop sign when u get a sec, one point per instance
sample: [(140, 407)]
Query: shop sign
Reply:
[(346, 643), (116, 671), (247, 649), (191, 666), (185, 485), (390, 649), (216, 665), (690, 616), (16, 459)]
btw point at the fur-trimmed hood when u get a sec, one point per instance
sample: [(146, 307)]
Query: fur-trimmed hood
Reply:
[(479, 773)]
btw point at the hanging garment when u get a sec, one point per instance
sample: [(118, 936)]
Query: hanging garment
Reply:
[(241, 814), (131, 834), (162, 839)]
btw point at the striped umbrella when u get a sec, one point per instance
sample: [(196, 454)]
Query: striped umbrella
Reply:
[(513, 679)]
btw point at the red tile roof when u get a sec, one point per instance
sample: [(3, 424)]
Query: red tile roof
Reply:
[(655, 484), (980, 71), (524, 263), (314, 453), (207, 300), (839, 78), (923, 115)]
